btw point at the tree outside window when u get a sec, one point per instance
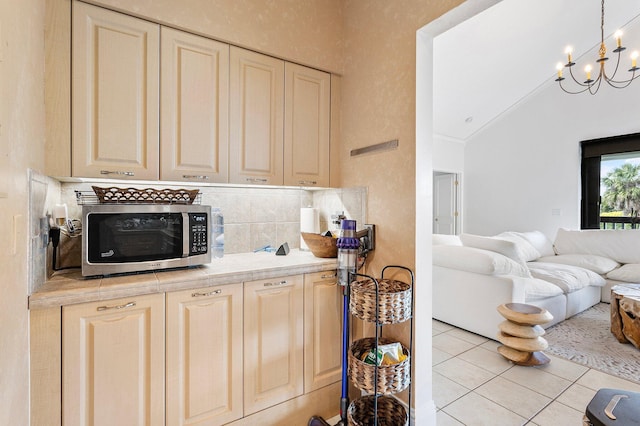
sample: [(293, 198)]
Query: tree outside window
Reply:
[(620, 186)]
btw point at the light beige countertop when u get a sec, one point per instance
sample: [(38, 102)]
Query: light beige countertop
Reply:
[(69, 287)]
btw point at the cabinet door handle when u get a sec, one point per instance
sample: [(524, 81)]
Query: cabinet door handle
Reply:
[(307, 182), (283, 282), (127, 305), (260, 180), (200, 177), (113, 172), (325, 277), (211, 293)]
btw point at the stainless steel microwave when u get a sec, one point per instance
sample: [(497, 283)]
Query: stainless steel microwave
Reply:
[(120, 238)]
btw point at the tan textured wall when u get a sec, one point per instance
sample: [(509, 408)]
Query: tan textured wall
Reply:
[(21, 147), (378, 104), (307, 32)]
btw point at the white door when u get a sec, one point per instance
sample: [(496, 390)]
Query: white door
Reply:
[(445, 203)]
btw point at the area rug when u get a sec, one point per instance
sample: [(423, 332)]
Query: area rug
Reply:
[(586, 339)]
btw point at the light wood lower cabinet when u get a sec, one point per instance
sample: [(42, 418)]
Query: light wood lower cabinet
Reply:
[(204, 356), (322, 330), (222, 353), (113, 362), (273, 342)]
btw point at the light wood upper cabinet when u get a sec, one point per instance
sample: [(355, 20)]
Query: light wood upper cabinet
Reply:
[(150, 102), (204, 355), (256, 118), (194, 131), (273, 345), (322, 330), (115, 71), (113, 362), (307, 125)]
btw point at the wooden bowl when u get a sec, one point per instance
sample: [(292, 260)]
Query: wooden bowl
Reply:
[(320, 245)]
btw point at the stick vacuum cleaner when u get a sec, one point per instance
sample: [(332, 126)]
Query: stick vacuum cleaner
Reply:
[(348, 245)]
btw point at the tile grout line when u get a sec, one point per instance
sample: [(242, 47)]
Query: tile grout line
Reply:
[(479, 345)]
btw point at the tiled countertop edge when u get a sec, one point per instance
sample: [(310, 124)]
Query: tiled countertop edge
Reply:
[(70, 287)]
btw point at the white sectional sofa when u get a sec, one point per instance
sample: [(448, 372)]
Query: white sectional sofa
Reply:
[(473, 275)]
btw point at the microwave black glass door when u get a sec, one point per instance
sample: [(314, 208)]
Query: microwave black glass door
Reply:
[(134, 237)]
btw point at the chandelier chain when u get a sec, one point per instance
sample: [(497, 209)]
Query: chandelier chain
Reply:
[(603, 49), (602, 22)]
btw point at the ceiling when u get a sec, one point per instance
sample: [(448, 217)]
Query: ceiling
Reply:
[(491, 62)]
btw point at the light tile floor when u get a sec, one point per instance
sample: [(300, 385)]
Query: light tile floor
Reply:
[(474, 385)]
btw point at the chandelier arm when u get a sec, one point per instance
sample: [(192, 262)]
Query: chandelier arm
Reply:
[(615, 71), (570, 92), (622, 84), (595, 86), (576, 81)]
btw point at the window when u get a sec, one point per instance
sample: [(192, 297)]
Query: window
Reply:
[(603, 201)]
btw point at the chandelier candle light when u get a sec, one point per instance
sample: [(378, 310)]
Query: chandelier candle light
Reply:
[(592, 85)]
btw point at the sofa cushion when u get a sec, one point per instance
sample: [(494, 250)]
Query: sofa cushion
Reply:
[(569, 278), (621, 245), (498, 245), (629, 273), (536, 289), (445, 240), (598, 264), (476, 260), (526, 249), (539, 241)]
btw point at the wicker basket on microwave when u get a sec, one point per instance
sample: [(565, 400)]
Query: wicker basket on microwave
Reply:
[(115, 195), (391, 412), (392, 378), (394, 301)]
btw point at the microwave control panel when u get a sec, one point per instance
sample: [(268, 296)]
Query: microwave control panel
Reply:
[(198, 238)]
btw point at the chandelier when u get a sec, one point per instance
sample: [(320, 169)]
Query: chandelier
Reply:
[(593, 85)]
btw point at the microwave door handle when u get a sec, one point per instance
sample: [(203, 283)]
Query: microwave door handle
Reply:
[(186, 235)]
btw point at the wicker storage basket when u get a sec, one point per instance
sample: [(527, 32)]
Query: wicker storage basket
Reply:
[(114, 195), (391, 378), (390, 412), (394, 301)]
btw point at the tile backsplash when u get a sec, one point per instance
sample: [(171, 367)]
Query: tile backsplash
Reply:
[(44, 194), (254, 216)]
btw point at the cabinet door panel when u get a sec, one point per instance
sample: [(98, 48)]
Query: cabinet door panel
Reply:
[(323, 330), (115, 94), (204, 356), (113, 362), (307, 115), (273, 333), (195, 105), (257, 107)]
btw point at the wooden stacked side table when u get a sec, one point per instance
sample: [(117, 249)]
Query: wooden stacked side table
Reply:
[(521, 333), (625, 313)]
